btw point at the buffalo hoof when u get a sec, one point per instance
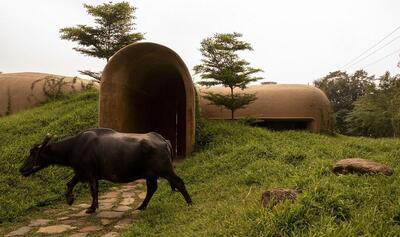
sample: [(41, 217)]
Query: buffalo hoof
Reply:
[(70, 199), (91, 210)]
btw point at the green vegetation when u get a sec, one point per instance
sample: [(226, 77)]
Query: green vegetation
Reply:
[(65, 116), (233, 166), (221, 65), (227, 178)]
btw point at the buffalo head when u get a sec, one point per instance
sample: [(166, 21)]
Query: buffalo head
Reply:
[(36, 161)]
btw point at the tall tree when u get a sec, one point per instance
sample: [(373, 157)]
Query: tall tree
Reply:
[(221, 65), (112, 31), (343, 90)]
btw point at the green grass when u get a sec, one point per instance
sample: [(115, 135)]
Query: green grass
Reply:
[(227, 178), (65, 116)]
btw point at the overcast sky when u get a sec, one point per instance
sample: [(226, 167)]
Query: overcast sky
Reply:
[(294, 41)]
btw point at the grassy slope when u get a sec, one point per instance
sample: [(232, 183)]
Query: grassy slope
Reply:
[(227, 179), (63, 117)]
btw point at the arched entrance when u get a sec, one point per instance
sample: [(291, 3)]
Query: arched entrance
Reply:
[(147, 87)]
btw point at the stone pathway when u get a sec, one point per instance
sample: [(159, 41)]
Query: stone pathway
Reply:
[(116, 213)]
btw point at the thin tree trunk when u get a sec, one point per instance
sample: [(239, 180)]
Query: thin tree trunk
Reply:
[(232, 111)]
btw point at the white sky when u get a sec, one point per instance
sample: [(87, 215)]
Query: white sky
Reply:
[(294, 41)]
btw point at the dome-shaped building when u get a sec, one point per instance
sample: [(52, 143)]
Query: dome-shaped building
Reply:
[(277, 107)]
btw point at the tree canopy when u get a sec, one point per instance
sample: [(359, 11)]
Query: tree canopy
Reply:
[(221, 65)]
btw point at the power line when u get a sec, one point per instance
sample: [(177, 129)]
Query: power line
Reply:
[(384, 57), (373, 52), (373, 46)]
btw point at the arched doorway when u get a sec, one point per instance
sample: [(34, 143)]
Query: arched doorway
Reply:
[(147, 87)]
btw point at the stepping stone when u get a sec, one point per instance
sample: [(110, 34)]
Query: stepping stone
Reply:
[(20, 231), (79, 235), (81, 214), (110, 214), (127, 195), (142, 195), (277, 195), (123, 224), (122, 208), (90, 228), (55, 229), (68, 222), (361, 166), (112, 194), (106, 206), (39, 222), (106, 221), (111, 234), (109, 200), (127, 201), (63, 213), (83, 205), (63, 218)]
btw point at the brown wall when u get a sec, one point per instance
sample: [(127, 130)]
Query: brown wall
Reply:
[(276, 103), (147, 87), (16, 87)]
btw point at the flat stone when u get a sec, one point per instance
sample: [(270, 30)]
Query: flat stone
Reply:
[(55, 229), (83, 205), (39, 222), (90, 228), (111, 234), (20, 231), (106, 221), (276, 195), (123, 224), (63, 218), (109, 200), (122, 208), (112, 194), (110, 214), (127, 195), (361, 166), (62, 213), (142, 195), (68, 222), (79, 235), (73, 209), (127, 201), (105, 206), (81, 214)]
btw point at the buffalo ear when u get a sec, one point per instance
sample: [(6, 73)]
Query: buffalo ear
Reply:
[(46, 140)]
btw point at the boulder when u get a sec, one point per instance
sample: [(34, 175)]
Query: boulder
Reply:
[(276, 195), (361, 166)]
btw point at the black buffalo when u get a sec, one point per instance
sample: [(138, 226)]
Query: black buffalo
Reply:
[(102, 153)]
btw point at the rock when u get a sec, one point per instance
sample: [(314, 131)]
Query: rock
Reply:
[(127, 195), (83, 205), (127, 201), (55, 229), (110, 214), (20, 231), (81, 214), (276, 195), (123, 224), (90, 228), (122, 208), (63, 218), (111, 234), (142, 195), (361, 166), (109, 200), (108, 195), (106, 221), (79, 235), (106, 206), (39, 222), (68, 222)]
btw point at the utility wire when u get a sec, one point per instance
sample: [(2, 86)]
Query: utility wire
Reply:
[(373, 46), (373, 52), (384, 57)]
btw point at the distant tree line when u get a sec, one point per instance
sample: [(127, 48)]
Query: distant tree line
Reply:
[(364, 105)]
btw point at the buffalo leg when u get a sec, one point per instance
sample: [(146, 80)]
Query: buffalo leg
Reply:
[(151, 188), (178, 183), (94, 190), (70, 187)]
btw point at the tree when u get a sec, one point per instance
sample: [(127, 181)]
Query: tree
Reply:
[(343, 90), (221, 65), (112, 31)]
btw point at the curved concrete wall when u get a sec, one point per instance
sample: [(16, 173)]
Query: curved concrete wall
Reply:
[(147, 87), (286, 103), (16, 89)]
